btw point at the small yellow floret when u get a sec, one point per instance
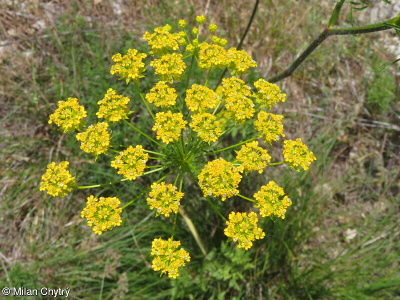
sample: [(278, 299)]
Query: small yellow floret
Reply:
[(200, 98), (268, 93), (212, 57), (168, 126), (170, 67), (129, 66), (96, 139), (239, 61), (131, 162), (164, 198), (243, 229), (207, 127), (167, 258), (212, 27), (252, 158), (271, 200), (57, 180), (219, 178), (113, 107), (297, 155), (162, 41), (200, 19), (269, 125), (162, 95), (69, 115), (103, 214)]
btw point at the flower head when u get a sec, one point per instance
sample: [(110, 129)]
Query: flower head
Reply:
[(297, 155), (113, 107), (212, 27), (200, 19), (162, 40), (212, 56), (170, 67), (219, 178), (252, 157), (182, 23), (268, 94), (207, 127), (95, 139), (169, 126), (129, 66), (103, 214), (161, 95), (167, 258), (57, 180), (271, 200), (235, 93), (239, 61), (270, 126), (242, 228), (69, 115), (200, 98), (164, 198), (131, 162)]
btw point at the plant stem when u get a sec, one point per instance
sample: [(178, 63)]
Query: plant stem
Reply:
[(145, 135), (100, 185), (144, 100)]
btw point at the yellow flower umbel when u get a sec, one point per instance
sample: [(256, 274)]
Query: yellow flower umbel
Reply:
[(271, 200), (200, 98), (167, 258), (162, 40), (207, 126), (170, 67), (252, 158), (103, 214), (297, 155), (212, 57), (57, 180), (164, 198), (69, 115), (219, 178), (239, 61), (270, 126), (235, 93), (113, 107), (169, 126), (131, 162), (162, 95), (95, 139), (268, 94), (243, 229), (129, 66)]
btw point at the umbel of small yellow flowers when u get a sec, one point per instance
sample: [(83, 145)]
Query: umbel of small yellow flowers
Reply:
[(190, 117)]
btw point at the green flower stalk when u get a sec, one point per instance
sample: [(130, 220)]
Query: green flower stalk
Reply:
[(185, 139)]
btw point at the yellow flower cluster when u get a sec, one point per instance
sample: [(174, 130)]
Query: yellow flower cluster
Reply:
[(271, 200), (169, 126), (243, 229), (239, 61), (207, 127), (297, 155), (69, 115), (200, 98), (129, 66), (131, 162), (235, 93), (219, 178), (268, 94), (170, 67), (252, 158), (95, 139), (103, 214), (162, 95), (167, 258), (270, 126), (212, 57), (162, 40), (113, 107), (164, 198), (57, 180)]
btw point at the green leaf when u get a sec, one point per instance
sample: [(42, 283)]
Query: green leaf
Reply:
[(389, 65)]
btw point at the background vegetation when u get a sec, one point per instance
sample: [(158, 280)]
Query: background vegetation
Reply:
[(341, 237)]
